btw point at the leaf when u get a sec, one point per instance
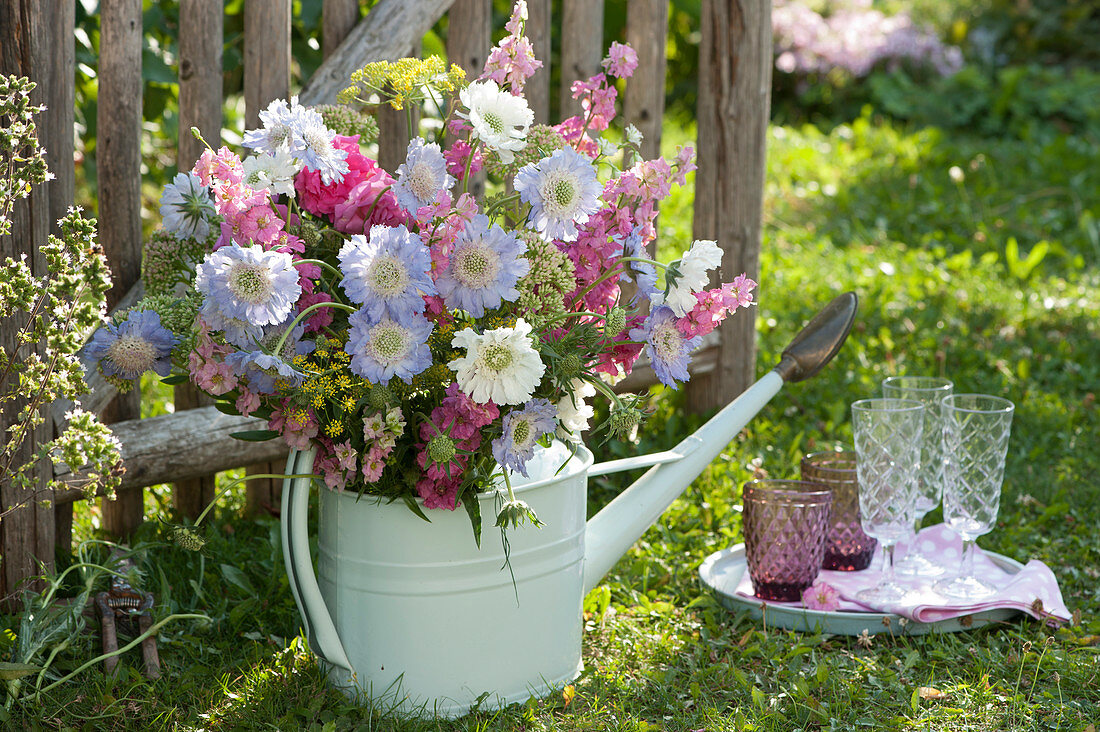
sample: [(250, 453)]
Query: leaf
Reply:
[(568, 693), (11, 671), (254, 435), (227, 408), (415, 508), (174, 379), (930, 692), (473, 508), (236, 577)]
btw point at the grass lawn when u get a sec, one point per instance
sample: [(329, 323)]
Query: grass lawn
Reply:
[(940, 260)]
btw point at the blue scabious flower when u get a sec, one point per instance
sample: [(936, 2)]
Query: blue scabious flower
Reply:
[(669, 351), (646, 272), (246, 288), (522, 430), (389, 273), (133, 347), (421, 176), (381, 349), (261, 367), (563, 191), (262, 370), (186, 207), (483, 268)]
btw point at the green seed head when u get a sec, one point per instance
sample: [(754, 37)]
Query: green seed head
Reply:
[(441, 449), (614, 323)]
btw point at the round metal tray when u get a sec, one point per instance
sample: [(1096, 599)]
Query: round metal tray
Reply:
[(722, 572)]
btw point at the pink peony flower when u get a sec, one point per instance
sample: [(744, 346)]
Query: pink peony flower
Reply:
[(821, 596), (320, 199), (367, 204)]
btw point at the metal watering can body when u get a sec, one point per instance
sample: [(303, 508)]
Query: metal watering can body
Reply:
[(419, 619)]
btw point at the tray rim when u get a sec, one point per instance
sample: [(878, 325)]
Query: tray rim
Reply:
[(837, 622)]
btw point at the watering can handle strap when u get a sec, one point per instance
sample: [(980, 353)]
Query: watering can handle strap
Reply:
[(320, 630)]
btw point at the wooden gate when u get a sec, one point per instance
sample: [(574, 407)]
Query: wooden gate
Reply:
[(186, 447)]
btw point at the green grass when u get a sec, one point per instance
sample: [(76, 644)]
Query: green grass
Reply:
[(868, 207)]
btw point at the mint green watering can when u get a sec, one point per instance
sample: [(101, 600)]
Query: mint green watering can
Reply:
[(414, 618)]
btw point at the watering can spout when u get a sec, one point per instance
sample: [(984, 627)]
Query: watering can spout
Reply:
[(615, 528)]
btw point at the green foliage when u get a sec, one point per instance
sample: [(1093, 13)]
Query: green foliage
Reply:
[(1028, 102), (49, 314), (1043, 31)]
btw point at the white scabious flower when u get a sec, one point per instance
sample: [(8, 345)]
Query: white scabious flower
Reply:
[(692, 274), (186, 207), (499, 119), (500, 366), (574, 412), (274, 172)]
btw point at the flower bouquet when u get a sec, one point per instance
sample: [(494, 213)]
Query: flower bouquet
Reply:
[(423, 341)]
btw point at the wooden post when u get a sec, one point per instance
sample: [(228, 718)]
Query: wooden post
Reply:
[(735, 67), (27, 533), (539, 30), (393, 130), (647, 33), (118, 161), (57, 138), (581, 48), (200, 74), (266, 78), (469, 40), (338, 17), (266, 56)]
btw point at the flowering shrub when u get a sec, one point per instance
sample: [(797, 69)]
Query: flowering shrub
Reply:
[(50, 312), (424, 342), (854, 38)]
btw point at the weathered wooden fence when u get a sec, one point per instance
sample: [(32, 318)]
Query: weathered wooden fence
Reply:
[(36, 40)]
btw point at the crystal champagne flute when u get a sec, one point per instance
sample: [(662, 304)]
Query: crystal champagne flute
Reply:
[(929, 391), (975, 435), (887, 437)]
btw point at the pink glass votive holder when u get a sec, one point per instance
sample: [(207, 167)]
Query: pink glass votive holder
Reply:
[(784, 523), (847, 548)]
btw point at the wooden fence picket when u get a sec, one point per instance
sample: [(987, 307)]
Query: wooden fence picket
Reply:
[(200, 105), (118, 158)]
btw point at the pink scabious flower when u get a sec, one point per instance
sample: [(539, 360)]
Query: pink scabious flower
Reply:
[(821, 596), (621, 60), (369, 203), (461, 419), (248, 402)]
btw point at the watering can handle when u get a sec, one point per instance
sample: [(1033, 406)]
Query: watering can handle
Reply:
[(320, 630)]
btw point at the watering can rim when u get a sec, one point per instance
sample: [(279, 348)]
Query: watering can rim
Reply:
[(572, 467)]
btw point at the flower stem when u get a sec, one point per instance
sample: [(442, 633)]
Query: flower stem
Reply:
[(250, 476), (301, 317)]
